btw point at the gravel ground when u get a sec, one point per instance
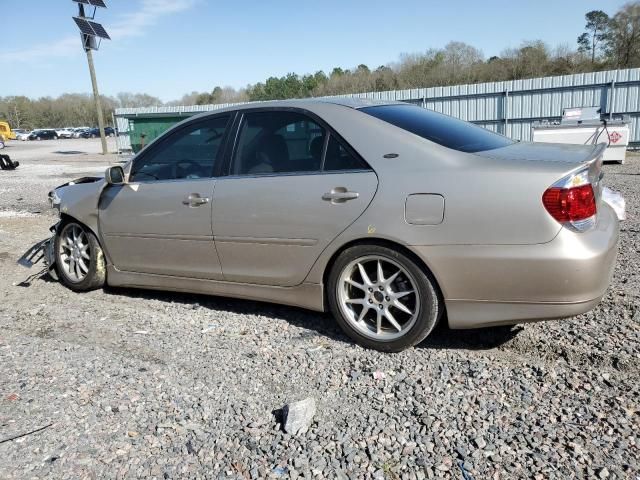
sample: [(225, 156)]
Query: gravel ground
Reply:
[(132, 383)]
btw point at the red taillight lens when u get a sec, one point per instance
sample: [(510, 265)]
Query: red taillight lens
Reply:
[(570, 204)]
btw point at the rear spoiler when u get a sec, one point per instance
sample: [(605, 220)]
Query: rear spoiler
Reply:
[(594, 163)]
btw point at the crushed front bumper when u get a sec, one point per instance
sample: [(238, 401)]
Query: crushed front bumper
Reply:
[(43, 251)]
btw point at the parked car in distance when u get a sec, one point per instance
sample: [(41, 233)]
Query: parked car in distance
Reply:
[(77, 132), (66, 132), (389, 215), (23, 135), (43, 134), (95, 132)]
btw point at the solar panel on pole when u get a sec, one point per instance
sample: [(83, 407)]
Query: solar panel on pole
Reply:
[(93, 3), (91, 28), (91, 35), (84, 26), (99, 30), (97, 3)]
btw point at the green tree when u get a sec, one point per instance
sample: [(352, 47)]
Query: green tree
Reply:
[(623, 41), (596, 32)]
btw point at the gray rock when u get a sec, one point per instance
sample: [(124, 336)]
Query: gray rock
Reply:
[(299, 415)]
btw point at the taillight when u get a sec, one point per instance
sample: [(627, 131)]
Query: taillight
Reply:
[(572, 201)]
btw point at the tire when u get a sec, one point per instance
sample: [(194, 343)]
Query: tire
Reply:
[(95, 275), (420, 312), (55, 137)]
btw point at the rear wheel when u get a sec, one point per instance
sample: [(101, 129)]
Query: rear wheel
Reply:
[(79, 259), (382, 299)]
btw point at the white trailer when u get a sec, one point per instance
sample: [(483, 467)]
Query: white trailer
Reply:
[(583, 126)]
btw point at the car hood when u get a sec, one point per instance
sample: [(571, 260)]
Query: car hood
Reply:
[(72, 189)]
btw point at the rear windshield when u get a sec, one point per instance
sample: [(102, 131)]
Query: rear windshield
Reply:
[(442, 129)]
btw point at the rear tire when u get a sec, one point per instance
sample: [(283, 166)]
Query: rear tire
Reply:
[(79, 258), (382, 299)]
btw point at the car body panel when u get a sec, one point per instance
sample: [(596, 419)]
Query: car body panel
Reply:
[(146, 227), (271, 229), (496, 254)]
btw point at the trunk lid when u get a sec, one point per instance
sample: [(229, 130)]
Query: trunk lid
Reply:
[(564, 158)]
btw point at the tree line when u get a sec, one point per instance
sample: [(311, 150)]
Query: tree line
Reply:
[(608, 42)]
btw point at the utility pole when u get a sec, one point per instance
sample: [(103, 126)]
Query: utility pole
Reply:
[(96, 96), (91, 34)]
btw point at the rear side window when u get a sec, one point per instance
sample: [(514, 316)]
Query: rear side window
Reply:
[(338, 158), (441, 129), (278, 142)]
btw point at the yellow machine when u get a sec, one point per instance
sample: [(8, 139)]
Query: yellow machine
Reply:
[(5, 132)]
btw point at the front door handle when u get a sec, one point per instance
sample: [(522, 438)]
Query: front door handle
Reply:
[(340, 195), (195, 200)]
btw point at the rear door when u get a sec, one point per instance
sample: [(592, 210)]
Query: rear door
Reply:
[(291, 188), (160, 221)]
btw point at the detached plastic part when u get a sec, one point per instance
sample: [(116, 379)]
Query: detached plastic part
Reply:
[(616, 201)]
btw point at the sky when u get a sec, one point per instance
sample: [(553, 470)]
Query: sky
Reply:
[(167, 48)]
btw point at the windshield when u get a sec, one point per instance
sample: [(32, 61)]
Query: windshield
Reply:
[(442, 129)]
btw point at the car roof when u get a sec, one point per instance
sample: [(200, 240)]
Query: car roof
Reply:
[(305, 103)]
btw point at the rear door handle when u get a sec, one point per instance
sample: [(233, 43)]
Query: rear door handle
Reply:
[(195, 200), (340, 195)]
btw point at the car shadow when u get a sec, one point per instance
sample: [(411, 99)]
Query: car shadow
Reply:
[(322, 324), (444, 338), (315, 323), (70, 152)]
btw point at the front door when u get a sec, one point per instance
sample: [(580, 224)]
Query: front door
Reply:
[(160, 221), (291, 189)]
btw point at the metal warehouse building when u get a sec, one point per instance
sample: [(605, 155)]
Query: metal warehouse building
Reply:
[(509, 107)]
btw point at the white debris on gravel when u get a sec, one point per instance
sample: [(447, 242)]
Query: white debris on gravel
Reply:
[(197, 397), (299, 415), (14, 214)]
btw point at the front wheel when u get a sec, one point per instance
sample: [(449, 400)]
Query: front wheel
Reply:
[(79, 258), (382, 299)]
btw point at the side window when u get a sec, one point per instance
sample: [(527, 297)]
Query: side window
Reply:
[(278, 142), (187, 154), (338, 158)]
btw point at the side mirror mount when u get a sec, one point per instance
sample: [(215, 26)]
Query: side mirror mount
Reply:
[(114, 175)]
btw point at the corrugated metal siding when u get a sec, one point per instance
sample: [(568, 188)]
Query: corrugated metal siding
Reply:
[(509, 107)]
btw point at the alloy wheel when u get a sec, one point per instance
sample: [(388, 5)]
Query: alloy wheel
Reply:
[(75, 254), (378, 297)]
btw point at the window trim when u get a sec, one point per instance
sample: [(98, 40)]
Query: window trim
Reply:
[(162, 140), (233, 145)]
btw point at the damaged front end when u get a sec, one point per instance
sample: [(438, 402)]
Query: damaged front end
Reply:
[(43, 251)]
